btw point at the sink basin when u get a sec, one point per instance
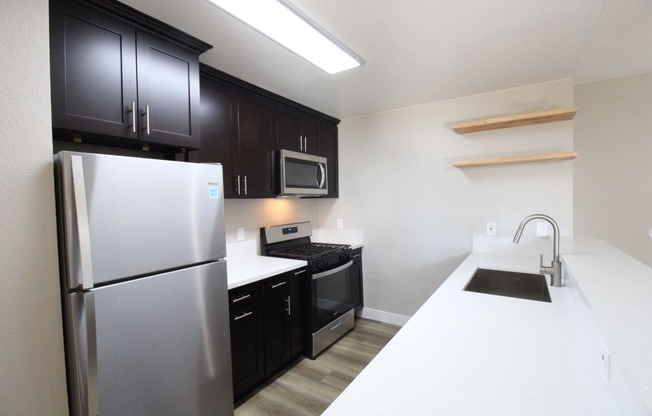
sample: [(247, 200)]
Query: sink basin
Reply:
[(513, 284)]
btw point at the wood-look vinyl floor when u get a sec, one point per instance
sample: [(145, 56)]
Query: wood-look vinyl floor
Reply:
[(308, 387)]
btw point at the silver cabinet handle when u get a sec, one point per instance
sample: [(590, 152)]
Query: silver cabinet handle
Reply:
[(289, 301), (244, 315), (241, 298), (83, 229), (305, 144), (337, 325), (356, 255), (278, 285), (133, 116), (245, 184), (147, 119), (238, 183), (301, 143), (300, 272)]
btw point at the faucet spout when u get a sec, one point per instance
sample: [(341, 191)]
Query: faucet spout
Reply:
[(555, 268)]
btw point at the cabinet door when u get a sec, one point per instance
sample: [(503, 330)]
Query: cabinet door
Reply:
[(256, 146), (168, 93), (93, 70), (310, 133), (356, 281), (218, 131), (247, 349), (328, 149), (299, 292), (277, 332), (288, 128), (296, 130)]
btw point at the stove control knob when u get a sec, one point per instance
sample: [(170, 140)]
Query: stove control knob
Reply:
[(322, 265), (344, 258)]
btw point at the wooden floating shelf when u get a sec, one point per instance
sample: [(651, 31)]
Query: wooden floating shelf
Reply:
[(539, 117), (516, 159)]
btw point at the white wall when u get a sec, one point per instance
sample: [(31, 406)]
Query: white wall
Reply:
[(418, 212), (255, 213), (613, 134), (32, 375)]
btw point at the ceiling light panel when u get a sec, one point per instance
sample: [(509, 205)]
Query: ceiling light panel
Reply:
[(286, 25)]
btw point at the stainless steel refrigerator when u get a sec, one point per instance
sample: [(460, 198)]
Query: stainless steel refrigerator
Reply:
[(144, 287)]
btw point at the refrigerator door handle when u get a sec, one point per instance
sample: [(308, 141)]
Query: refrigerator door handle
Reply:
[(83, 230), (91, 345)]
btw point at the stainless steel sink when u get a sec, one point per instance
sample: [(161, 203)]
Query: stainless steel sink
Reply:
[(513, 284)]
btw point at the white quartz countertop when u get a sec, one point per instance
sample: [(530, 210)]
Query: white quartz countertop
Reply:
[(245, 270), (243, 266), (466, 353)]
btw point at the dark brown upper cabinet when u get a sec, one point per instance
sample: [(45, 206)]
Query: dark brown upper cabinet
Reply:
[(118, 74), (328, 149), (256, 147), (243, 127), (219, 126), (296, 130), (238, 132)]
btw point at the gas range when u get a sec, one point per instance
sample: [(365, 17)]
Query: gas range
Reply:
[(329, 286), (292, 241)]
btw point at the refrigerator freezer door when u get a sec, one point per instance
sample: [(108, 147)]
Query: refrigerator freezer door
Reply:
[(161, 345), (123, 217)]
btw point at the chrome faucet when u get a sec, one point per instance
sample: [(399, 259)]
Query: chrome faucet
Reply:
[(555, 268)]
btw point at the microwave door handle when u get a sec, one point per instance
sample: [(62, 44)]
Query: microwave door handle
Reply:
[(323, 176)]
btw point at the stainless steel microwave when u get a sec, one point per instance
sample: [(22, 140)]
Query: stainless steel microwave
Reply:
[(302, 174)]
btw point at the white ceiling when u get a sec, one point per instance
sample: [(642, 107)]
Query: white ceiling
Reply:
[(419, 51)]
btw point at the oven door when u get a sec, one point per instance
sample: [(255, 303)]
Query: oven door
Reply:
[(332, 295)]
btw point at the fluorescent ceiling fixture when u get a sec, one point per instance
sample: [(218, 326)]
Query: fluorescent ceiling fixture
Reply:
[(285, 24)]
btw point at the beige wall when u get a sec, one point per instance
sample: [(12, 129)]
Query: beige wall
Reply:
[(613, 135), (252, 214), (418, 212), (32, 375)]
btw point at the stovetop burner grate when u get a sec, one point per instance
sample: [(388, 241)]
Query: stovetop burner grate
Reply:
[(308, 251)]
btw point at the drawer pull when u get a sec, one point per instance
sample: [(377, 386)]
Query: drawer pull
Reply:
[(244, 315), (337, 325), (300, 272), (241, 298), (356, 255), (278, 285)]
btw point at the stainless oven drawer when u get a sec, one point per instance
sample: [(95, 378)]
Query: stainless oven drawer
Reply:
[(332, 332)]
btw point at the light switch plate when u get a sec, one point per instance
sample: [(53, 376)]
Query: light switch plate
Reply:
[(240, 232), (340, 223)]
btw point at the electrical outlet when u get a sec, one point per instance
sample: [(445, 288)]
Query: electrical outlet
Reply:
[(340, 224), (240, 232), (491, 228)]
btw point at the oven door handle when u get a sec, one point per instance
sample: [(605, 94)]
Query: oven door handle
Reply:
[(316, 276)]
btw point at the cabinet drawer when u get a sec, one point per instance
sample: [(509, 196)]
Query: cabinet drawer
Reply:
[(276, 284), (245, 295)]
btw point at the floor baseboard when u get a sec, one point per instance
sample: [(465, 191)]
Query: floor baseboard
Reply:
[(382, 316)]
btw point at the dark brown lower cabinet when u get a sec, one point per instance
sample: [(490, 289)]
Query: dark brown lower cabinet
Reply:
[(247, 349), (277, 332), (267, 327)]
